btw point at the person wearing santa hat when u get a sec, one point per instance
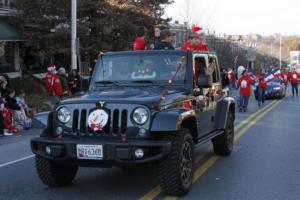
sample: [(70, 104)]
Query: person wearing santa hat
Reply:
[(293, 77), (194, 43), (53, 86)]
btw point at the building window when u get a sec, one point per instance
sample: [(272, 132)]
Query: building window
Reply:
[(7, 57), (7, 3)]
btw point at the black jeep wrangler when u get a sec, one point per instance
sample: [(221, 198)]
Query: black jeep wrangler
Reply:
[(141, 107)]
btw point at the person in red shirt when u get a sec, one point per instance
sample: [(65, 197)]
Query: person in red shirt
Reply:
[(285, 78), (140, 42), (262, 85), (194, 44), (232, 78), (53, 86), (244, 83), (293, 77)]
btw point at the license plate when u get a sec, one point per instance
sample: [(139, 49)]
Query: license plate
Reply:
[(90, 152)]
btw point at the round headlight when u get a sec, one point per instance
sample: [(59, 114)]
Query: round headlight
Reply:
[(140, 116), (64, 115)]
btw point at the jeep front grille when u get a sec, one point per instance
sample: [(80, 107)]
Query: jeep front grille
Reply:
[(117, 122)]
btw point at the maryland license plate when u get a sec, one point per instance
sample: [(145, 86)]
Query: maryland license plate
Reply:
[(90, 152)]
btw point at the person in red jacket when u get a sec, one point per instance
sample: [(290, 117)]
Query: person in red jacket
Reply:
[(262, 85), (293, 77), (285, 78), (244, 83), (194, 44), (232, 78), (53, 86), (140, 42)]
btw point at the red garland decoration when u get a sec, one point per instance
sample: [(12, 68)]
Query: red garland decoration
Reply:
[(171, 81)]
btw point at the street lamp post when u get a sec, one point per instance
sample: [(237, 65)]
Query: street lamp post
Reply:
[(280, 52), (73, 34)]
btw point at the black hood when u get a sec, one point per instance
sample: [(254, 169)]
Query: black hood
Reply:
[(143, 96)]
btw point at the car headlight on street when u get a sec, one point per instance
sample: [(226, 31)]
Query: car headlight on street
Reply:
[(277, 88), (64, 115), (140, 116)]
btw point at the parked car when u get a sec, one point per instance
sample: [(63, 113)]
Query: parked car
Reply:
[(141, 107)]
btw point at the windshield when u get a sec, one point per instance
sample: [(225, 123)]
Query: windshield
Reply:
[(139, 68)]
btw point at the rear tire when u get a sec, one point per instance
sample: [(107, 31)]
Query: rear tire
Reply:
[(223, 144), (54, 174), (176, 171)]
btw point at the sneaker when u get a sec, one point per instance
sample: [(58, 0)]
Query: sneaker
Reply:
[(241, 110), (8, 134), (245, 109)]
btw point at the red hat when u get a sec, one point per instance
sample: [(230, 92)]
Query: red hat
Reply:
[(51, 67), (196, 29)]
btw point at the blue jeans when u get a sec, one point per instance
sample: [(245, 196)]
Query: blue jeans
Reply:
[(295, 88), (244, 100), (261, 95)]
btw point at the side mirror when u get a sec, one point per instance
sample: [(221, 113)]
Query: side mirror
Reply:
[(205, 81)]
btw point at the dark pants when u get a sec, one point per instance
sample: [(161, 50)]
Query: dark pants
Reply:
[(295, 88), (1, 124), (244, 100), (261, 95)]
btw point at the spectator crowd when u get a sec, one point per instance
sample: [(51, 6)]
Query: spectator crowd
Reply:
[(16, 115)]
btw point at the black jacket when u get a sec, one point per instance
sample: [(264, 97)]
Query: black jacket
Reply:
[(11, 103), (164, 46)]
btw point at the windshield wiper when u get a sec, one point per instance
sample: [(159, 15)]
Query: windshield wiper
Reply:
[(110, 82), (142, 81)]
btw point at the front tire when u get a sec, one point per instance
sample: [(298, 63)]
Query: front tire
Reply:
[(54, 174), (176, 171), (223, 144)]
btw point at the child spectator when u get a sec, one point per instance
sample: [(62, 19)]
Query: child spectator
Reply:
[(17, 111), (21, 101), (26, 110), (6, 116)]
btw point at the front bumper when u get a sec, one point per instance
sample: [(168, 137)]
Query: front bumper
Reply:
[(114, 152), (273, 93)]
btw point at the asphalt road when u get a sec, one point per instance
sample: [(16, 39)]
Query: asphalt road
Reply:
[(264, 165)]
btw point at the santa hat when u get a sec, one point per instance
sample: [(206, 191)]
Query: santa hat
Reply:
[(195, 29), (51, 68)]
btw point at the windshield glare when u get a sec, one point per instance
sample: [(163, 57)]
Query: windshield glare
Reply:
[(139, 68)]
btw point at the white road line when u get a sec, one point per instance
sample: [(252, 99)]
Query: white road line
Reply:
[(15, 161)]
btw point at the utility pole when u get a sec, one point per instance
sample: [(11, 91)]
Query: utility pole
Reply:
[(74, 34), (280, 52)]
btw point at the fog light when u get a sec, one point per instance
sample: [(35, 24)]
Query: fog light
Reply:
[(48, 150), (142, 133), (139, 153), (59, 130)]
